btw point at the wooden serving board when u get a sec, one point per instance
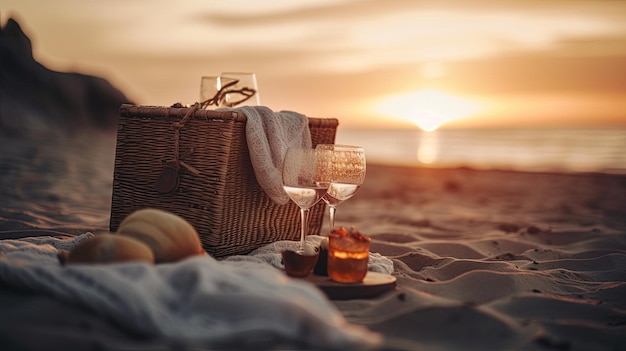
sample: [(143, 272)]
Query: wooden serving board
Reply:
[(372, 285)]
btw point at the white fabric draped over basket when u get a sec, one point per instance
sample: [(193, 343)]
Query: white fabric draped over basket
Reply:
[(200, 299), (269, 134)]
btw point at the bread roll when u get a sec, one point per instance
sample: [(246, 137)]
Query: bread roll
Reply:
[(108, 248), (170, 237)]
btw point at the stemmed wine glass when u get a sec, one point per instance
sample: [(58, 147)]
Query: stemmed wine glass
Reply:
[(346, 175), (304, 182)]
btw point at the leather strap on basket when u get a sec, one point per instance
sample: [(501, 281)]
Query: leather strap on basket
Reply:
[(177, 126), (168, 180)]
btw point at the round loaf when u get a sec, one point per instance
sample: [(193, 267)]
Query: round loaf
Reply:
[(170, 236), (108, 248)]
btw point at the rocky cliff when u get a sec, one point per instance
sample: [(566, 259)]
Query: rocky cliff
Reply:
[(36, 100)]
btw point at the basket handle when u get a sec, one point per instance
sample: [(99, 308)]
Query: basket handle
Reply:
[(219, 99)]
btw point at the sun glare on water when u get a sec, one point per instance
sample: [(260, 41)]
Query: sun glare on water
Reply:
[(429, 109)]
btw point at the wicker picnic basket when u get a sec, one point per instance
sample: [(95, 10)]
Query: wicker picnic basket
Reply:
[(216, 189)]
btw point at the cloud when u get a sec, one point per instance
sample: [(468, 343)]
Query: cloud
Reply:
[(339, 35), (349, 36)]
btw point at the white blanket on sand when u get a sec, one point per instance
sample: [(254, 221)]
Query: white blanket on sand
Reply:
[(269, 134), (201, 299)]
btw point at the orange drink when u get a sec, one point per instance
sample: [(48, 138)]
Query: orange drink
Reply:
[(348, 255)]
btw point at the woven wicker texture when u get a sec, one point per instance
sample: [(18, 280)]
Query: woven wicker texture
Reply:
[(224, 202)]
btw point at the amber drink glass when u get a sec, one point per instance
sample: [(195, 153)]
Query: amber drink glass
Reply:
[(348, 255)]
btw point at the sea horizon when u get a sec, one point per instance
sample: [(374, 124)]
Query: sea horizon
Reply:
[(569, 150)]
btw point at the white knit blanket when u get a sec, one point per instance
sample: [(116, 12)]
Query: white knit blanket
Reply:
[(269, 134), (199, 299)]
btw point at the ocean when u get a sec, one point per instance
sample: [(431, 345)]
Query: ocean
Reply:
[(534, 150), (66, 182)]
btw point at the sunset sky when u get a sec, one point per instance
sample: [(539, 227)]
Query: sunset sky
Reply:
[(371, 63)]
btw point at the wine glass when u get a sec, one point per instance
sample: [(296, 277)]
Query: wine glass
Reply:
[(346, 175), (303, 181), (209, 88), (240, 88)]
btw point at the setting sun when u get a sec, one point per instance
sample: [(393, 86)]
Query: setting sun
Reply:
[(428, 109)]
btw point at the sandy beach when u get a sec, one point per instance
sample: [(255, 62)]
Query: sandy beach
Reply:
[(485, 260), (495, 259)]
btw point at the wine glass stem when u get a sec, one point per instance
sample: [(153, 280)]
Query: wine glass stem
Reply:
[(331, 216), (304, 214)]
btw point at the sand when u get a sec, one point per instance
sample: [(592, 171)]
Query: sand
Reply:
[(485, 260), (495, 259)]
